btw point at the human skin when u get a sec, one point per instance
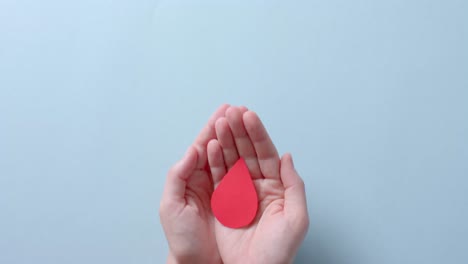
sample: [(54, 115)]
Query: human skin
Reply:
[(194, 235), (282, 219), (184, 210)]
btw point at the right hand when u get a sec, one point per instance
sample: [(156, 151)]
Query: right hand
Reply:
[(282, 220)]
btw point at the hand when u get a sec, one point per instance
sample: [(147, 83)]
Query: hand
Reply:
[(282, 220), (185, 206)]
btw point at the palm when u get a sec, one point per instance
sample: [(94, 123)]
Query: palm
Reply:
[(236, 243), (279, 226)]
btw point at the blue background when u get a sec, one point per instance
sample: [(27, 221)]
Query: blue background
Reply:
[(99, 98)]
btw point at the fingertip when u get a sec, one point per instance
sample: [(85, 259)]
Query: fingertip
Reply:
[(249, 114), (243, 108), (255, 127), (231, 107), (288, 158), (216, 161), (221, 111), (213, 145), (220, 122), (221, 128), (236, 110), (291, 159), (230, 111), (289, 175), (295, 195), (235, 122), (214, 152), (191, 156), (208, 132), (251, 119), (283, 162), (185, 166), (223, 107)]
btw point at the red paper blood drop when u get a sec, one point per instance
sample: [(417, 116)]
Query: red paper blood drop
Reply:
[(234, 202)]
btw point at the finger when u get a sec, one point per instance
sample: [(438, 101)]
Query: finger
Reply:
[(206, 134), (295, 202), (226, 140), (244, 146), (178, 175), (216, 161), (267, 155), (243, 109)]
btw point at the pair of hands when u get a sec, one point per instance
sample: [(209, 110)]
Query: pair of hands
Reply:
[(193, 233)]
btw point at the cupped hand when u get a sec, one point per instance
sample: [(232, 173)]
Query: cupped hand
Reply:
[(282, 220), (185, 211)]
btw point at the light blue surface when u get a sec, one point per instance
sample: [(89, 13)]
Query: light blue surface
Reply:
[(99, 98)]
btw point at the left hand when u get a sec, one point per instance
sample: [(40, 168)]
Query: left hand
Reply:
[(185, 209)]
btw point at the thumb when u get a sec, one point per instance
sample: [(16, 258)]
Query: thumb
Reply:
[(295, 203), (178, 175)]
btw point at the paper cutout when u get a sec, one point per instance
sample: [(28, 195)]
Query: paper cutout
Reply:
[(234, 202)]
